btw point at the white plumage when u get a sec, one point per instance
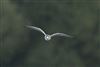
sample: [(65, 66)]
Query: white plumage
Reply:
[(46, 36)]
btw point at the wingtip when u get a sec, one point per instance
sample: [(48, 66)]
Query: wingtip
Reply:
[(27, 26), (71, 36)]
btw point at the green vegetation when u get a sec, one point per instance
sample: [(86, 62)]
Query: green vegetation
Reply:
[(23, 47)]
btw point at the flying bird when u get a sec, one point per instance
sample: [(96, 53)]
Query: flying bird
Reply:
[(48, 37)]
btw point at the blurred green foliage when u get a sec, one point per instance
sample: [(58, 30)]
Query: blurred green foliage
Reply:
[(22, 47)]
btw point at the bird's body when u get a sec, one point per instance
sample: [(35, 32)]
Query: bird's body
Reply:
[(48, 37)]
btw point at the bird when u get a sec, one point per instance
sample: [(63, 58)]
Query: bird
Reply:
[(48, 37)]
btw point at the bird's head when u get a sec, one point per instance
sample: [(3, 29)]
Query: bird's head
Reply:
[(47, 37)]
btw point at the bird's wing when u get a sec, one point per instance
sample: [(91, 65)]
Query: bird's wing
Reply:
[(60, 34), (36, 28)]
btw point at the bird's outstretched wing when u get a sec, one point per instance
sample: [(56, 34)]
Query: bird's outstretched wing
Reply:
[(60, 34), (36, 28)]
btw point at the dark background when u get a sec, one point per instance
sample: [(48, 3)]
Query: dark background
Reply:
[(23, 47)]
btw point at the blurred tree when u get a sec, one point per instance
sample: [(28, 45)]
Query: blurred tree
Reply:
[(21, 48), (12, 34)]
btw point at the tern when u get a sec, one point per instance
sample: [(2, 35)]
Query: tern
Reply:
[(48, 37)]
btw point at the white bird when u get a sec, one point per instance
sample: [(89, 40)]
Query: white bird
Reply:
[(48, 37)]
